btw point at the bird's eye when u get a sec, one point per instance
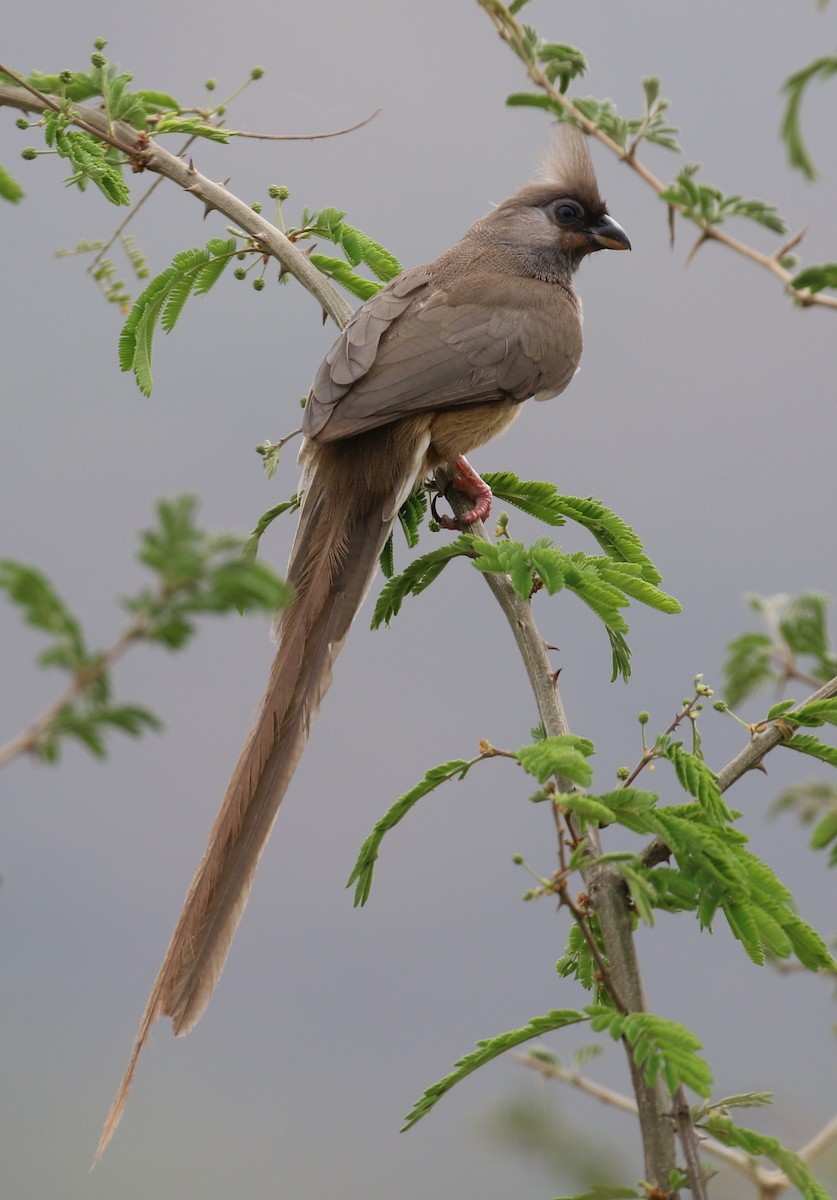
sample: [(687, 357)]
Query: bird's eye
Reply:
[(567, 211)]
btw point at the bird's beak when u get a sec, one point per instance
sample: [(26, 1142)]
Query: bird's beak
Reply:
[(607, 235)]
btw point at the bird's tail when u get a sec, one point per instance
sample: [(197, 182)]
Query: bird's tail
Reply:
[(332, 565)]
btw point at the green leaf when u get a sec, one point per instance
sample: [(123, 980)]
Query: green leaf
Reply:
[(415, 578), (806, 743), (660, 1046), (364, 868), (534, 100), (10, 189), (163, 300), (814, 279), (341, 272), (707, 205), (488, 1049), (794, 89), (565, 755), (748, 666), (192, 125), (753, 1143), (251, 546), (696, 778), (615, 537), (43, 609), (538, 499)]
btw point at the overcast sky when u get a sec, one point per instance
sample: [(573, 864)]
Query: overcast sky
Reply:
[(703, 413)]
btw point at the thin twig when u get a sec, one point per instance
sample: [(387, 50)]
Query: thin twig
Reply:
[(604, 885), (304, 137), (148, 155), (510, 31), (27, 741)]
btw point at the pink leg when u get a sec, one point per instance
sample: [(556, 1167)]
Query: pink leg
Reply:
[(466, 479)]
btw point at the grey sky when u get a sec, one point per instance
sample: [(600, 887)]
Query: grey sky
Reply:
[(703, 413)]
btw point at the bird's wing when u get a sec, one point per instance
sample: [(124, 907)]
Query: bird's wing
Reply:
[(415, 347)]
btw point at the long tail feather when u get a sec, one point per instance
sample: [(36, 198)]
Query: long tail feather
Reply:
[(332, 566)]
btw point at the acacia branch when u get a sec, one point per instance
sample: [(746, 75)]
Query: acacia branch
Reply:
[(29, 739), (147, 155), (604, 885), (512, 32)]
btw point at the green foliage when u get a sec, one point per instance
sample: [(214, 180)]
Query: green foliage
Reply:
[(191, 125), (10, 189), (251, 546), (490, 1048), (358, 247), (631, 131), (659, 1046), (364, 868), (410, 517), (191, 271), (605, 583), (707, 205), (798, 628), (794, 89), (564, 756), (538, 499), (92, 161), (814, 279), (755, 1144), (197, 573), (417, 576)]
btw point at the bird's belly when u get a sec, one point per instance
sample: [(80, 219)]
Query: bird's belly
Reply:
[(456, 431)]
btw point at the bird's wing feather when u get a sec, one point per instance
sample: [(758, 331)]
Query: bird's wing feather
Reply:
[(472, 341)]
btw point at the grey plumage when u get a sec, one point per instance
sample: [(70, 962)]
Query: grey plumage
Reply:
[(431, 367)]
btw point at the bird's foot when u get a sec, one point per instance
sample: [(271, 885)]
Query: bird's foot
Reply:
[(465, 479)]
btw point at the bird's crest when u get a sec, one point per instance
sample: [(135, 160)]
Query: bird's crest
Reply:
[(567, 164)]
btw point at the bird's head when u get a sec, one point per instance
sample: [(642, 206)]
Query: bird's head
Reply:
[(551, 226)]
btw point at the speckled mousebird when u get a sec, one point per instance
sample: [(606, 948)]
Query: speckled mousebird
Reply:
[(435, 364)]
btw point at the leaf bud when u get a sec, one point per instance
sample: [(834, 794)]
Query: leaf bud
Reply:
[(257, 72), (258, 284)]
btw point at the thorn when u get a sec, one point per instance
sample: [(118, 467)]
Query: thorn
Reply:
[(555, 675), (207, 209), (191, 168), (790, 244), (325, 316), (672, 212), (549, 646), (704, 237)]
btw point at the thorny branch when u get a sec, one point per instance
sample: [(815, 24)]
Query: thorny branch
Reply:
[(512, 32)]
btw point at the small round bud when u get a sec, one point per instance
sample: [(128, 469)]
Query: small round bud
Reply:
[(29, 153), (257, 72), (721, 706), (256, 206), (22, 123), (66, 77), (220, 110), (278, 191), (100, 43), (622, 772), (517, 859), (239, 273), (528, 896), (211, 85), (98, 60), (644, 718), (241, 257), (258, 284)]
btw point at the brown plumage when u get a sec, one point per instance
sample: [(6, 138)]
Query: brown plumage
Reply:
[(431, 367)]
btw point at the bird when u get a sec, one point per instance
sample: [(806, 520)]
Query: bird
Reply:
[(432, 366)]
